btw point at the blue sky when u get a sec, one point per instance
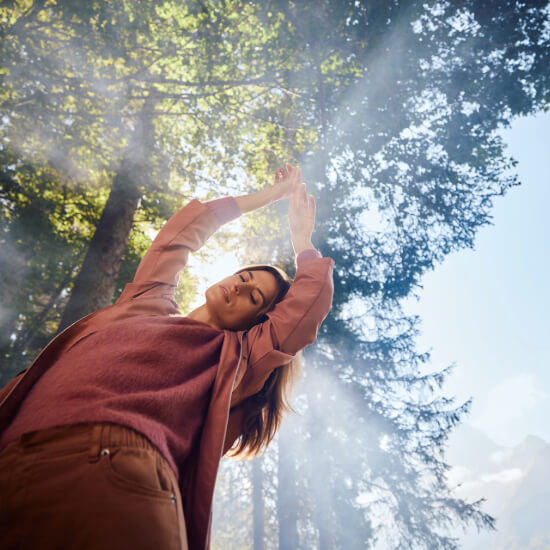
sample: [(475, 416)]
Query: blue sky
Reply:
[(487, 309)]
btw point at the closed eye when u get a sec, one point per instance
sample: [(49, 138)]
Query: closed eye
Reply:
[(252, 298)]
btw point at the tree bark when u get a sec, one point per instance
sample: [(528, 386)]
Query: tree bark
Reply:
[(258, 504), (287, 500), (321, 480), (95, 284)]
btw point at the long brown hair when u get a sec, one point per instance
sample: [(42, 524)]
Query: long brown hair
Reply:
[(263, 411)]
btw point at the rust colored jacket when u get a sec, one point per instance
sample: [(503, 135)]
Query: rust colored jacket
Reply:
[(246, 360)]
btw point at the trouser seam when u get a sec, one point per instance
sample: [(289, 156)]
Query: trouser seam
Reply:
[(95, 443)]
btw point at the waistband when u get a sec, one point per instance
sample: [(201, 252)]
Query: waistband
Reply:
[(80, 437)]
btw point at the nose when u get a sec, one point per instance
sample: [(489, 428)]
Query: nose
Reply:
[(239, 286)]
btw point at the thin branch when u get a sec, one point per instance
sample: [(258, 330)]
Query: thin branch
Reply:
[(22, 341), (213, 83)]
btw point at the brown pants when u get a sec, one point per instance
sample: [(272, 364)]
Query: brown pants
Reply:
[(91, 487)]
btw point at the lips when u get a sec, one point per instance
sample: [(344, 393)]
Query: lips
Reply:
[(226, 293)]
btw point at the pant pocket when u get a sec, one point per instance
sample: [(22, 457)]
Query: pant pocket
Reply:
[(137, 470)]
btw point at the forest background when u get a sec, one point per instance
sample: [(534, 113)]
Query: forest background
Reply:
[(116, 114)]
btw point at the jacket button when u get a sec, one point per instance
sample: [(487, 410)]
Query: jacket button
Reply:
[(105, 452)]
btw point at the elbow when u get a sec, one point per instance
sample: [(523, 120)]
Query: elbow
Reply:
[(302, 336)]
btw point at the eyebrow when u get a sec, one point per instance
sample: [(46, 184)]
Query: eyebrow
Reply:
[(258, 289)]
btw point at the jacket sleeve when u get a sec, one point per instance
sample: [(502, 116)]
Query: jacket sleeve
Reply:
[(185, 231), (291, 326)]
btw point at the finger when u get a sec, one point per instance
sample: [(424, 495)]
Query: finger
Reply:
[(298, 175), (300, 196), (312, 207), (296, 182), (294, 199), (303, 194)]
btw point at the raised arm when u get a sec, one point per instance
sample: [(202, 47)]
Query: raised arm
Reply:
[(291, 326), (286, 182), (185, 231), (301, 218), (188, 229), (294, 322)]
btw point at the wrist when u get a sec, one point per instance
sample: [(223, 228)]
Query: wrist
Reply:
[(301, 243)]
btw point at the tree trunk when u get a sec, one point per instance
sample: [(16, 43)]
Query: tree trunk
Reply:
[(95, 284), (287, 501), (258, 504), (13, 262), (321, 480), (322, 472)]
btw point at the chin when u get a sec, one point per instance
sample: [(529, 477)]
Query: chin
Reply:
[(210, 296), (215, 300)]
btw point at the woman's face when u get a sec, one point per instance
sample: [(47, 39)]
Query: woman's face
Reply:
[(236, 302)]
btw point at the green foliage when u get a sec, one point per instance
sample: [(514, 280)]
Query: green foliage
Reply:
[(44, 229), (75, 77)]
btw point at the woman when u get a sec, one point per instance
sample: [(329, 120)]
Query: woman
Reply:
[(113, 436)]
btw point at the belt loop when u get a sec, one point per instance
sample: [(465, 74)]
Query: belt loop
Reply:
[(95, 442)]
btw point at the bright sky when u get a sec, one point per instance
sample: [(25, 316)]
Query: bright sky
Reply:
[(488, 309)]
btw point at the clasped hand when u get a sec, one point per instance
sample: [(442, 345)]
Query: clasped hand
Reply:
[(301, 209)]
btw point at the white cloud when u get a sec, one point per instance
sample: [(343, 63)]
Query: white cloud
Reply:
[(504, 476), (501, 455), (509, 400)]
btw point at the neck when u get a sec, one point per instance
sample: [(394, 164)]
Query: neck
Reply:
[(202, 314)]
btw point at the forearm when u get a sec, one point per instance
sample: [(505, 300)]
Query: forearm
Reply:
[(185, 231), (291, 326), (301, 218), (253, 201)]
